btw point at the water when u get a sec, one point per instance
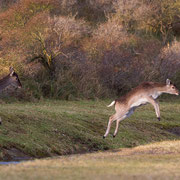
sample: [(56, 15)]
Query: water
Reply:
[(16, 160), (9, 162)]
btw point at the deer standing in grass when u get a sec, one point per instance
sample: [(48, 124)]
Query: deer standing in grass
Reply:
[(145, 93), (11, 79)]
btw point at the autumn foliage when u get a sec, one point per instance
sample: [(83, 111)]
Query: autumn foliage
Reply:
[(89, 49)]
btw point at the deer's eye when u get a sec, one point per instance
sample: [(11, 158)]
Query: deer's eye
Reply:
[(173, 87)]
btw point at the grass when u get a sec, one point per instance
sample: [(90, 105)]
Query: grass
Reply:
[(153, 161), (51, 127)]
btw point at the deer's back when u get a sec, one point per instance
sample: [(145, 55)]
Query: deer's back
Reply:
[(144, 89)]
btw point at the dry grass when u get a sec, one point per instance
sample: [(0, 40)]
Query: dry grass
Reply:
[(153, 161)]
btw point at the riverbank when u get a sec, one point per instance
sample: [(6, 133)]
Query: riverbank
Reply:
[(159, 160)]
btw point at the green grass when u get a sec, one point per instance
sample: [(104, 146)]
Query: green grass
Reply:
[(50, 127)]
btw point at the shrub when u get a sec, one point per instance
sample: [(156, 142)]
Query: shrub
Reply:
[(15, 31), (60, 34), (153, 17), (169, 59), (72, 57), (122, 60)]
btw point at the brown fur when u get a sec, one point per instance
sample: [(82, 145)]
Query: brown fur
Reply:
[(145, 93), (141, 88)]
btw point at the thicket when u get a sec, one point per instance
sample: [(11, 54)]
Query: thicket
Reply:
[(89, 49)]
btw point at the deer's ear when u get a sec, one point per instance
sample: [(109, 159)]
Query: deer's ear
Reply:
[(11, 70), (168, 82)]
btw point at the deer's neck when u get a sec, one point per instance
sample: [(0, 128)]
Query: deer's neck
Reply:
[(161, 89), (6, 81)]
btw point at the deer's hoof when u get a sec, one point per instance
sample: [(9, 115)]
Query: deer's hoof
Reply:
[(159, 118), (114, 136), (104, 137)]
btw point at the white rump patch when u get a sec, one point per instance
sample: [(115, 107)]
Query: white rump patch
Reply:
[(111, 104)]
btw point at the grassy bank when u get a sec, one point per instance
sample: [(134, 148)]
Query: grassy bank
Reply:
[(153, 161), (50, 127)]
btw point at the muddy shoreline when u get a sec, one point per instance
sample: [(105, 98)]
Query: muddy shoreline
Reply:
[(14, 154)]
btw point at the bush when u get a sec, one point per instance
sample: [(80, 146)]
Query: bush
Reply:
[(122, 60), (170, 60), (114, 47), (152, 17)]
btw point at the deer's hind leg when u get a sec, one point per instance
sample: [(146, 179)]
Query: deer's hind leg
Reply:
[(111, 119), (117, 124), (117, 116), (123, 116)]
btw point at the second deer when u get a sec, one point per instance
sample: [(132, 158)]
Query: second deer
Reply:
[(11, 79)]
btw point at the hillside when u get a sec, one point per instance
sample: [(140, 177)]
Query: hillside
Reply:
[(49, 127), (88, 49)]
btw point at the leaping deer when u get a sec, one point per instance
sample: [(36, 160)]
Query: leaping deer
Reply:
[(11, 79), (145, 93)]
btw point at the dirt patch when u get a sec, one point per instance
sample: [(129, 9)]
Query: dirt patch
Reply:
[(13, 154), (175, 130)]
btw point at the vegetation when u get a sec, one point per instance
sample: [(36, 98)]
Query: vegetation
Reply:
[(85, 51), (51, 128), (153, 161), (88, 49)]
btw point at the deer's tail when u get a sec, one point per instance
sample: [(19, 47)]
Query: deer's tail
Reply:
[(113, 103)]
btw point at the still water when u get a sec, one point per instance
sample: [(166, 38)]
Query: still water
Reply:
[(9, 162)]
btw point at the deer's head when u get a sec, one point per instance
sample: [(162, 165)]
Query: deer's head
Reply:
[(170, 88), (14, 79)]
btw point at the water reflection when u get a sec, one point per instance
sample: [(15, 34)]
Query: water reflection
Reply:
[(9, 162)]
